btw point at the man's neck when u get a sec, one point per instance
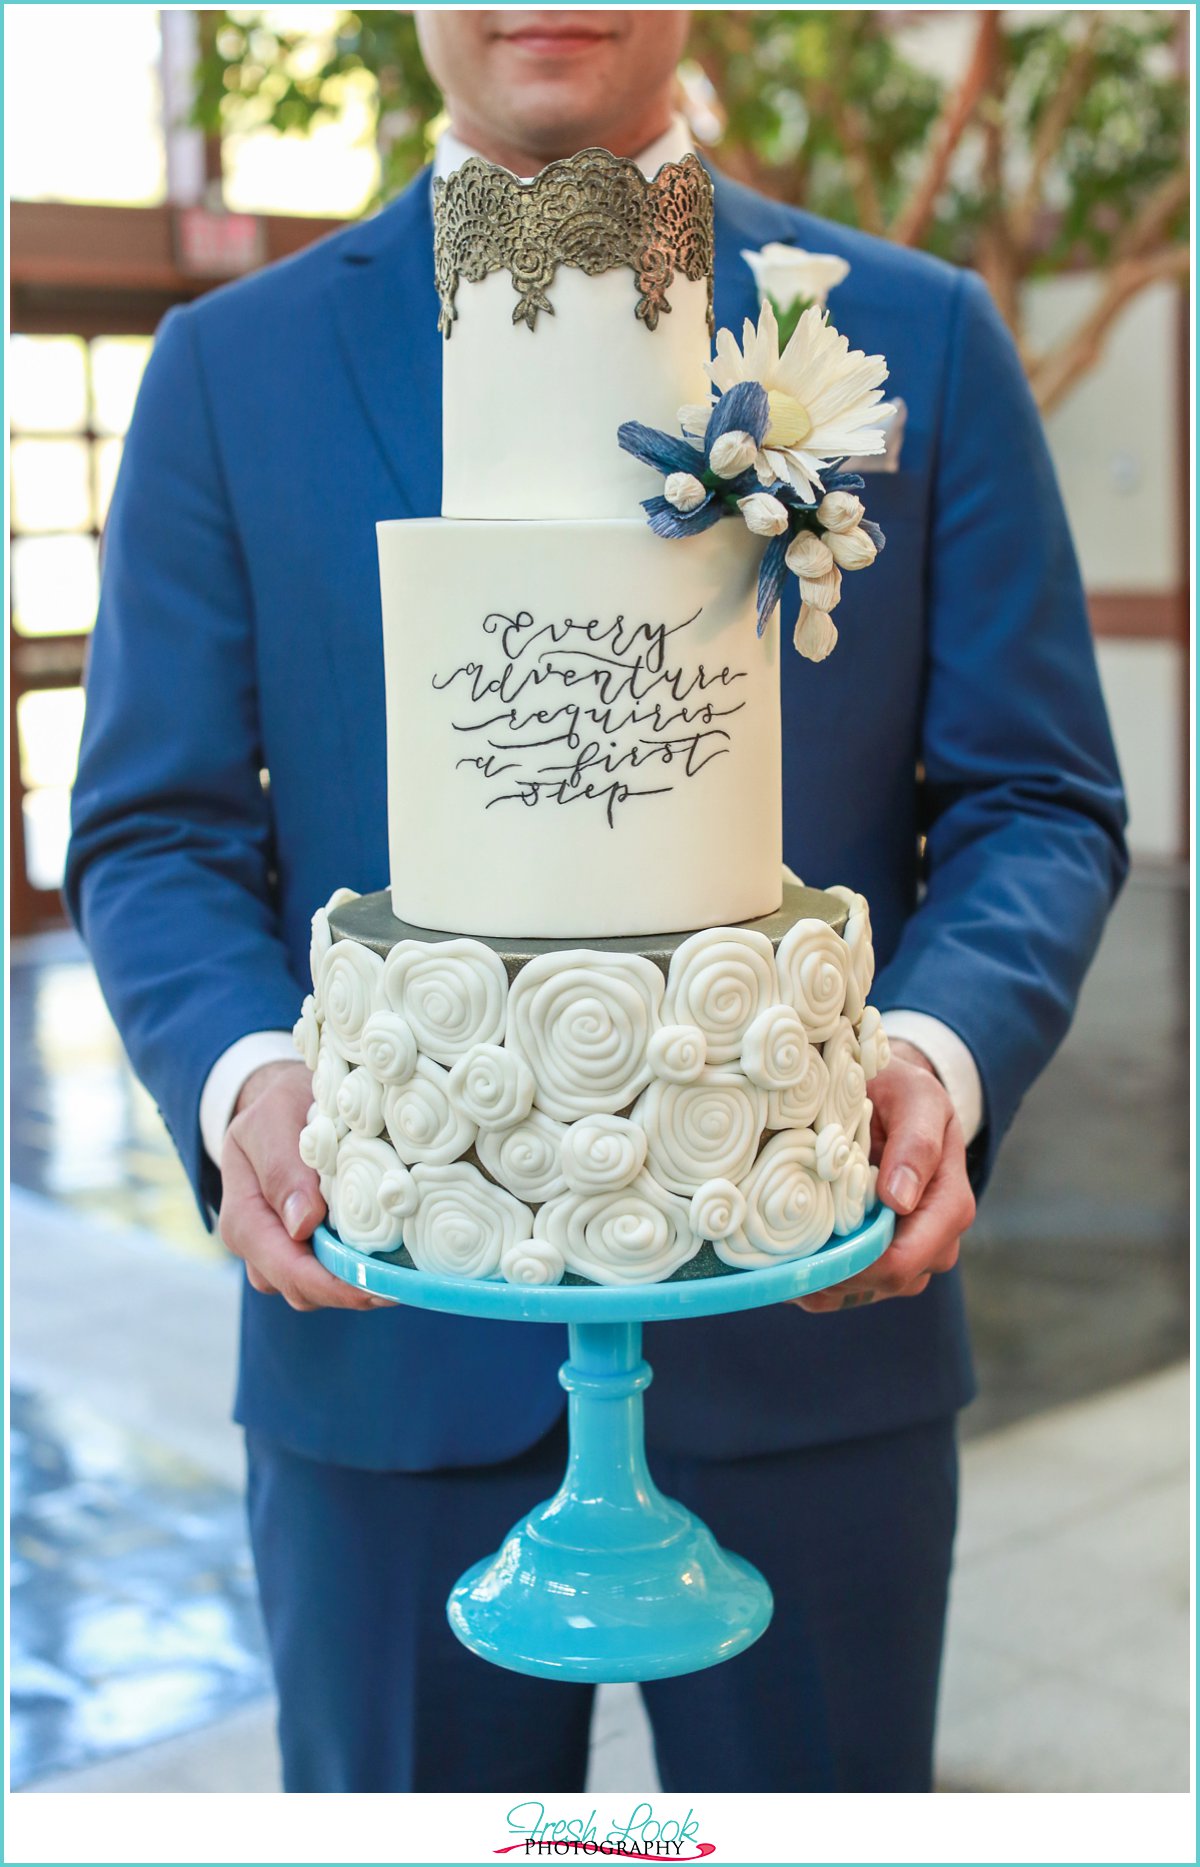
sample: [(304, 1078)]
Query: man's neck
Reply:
[(633, 141)]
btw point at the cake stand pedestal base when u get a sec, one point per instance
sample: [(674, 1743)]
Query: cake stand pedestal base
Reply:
[(609, 1581)]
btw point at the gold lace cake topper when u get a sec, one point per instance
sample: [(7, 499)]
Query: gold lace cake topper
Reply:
[(593, 211)]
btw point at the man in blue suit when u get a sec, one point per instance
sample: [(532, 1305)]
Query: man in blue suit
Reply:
[(952, 760)]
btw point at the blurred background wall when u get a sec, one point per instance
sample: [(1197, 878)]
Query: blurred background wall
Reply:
[(153, 153)]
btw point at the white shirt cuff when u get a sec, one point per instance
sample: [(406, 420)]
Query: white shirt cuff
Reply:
[(223, 1085), (951, 1059)]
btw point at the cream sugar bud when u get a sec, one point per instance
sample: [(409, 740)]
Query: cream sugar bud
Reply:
[(852, 550), (840, 512), (816, 633), (822, 592), (732, 453), (684, 491), (809, 556), (765, 515)]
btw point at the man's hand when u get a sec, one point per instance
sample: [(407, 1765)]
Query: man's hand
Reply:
[(917, 1140), (271, 1201)]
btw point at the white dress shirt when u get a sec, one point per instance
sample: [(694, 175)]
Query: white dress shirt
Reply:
[(944, 1048)]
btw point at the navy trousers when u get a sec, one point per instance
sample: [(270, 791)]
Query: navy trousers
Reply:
[(376, 1694)]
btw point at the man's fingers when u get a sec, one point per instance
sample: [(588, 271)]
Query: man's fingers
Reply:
[(926, 1242), (291, 1189), (252, 1231), (916, 1138)]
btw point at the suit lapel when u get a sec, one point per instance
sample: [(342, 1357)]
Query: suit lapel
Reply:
[(385, 309)]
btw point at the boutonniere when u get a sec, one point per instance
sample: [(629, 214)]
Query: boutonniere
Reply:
[(767, 447), (792, 280)]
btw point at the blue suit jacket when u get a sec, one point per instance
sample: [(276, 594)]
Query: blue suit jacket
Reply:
[(952, 760)]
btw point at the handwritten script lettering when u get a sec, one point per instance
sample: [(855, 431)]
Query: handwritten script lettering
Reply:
[(596, 712)]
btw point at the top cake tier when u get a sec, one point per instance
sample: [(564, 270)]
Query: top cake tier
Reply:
[(567, 302)]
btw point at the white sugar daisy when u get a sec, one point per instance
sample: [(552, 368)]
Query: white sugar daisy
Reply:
[(824, 398)]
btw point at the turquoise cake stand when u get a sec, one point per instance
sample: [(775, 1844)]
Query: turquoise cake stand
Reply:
[(609, 1580)]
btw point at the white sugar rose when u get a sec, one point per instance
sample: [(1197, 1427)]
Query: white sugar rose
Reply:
[(718, 981), (398, 1191), (319, 1145), (815, 635), (847, 1090), (389, 1047), (833, 1150), (601, 1153), (731, 453), (322, 940), (357, 1212), (492, 1087), (463, 1224), (582, 1022), (701, 1131), (874, 1049), (678, 1053), (852, 550), (765, 515), (800, 1103), (814, 966), (328, 1076), (350, 989), (789, 1208), (787, 273), (853, 1192), (532, 1261), (527, 1159), (808, 556), (840, 512), (451, 993), (862, 1134), (422, 1120), (360, 1103), (637, 1234), (684, 491), (306, 1033), (775, 1048), (857, 935), (718, 1209)]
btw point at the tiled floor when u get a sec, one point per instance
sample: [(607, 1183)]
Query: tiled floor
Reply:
[(1067, 1660)]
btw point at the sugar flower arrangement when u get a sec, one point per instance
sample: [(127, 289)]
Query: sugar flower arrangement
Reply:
[(768, 447)]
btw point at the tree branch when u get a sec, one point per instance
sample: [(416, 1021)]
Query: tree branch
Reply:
[(914, 217), (1053, 375), (1055, 119)]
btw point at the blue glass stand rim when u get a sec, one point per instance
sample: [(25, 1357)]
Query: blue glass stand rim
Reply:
[(597, 1303)]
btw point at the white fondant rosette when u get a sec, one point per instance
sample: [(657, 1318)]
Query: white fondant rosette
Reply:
[(833, 1150), (319, 944), (814, 967), (389, 1048), (799, 1105), (718, 1209), (463, 1224), (350, 989), (582, 1022), (862, 1133), (701, 1131), (451, 993), (720, 980), (492, 1087), (635, 1234), (360, 1103), (421, 1118), (319, 1144), (358, 1214), (330, 1073), (601, 1153), (306, 1033), (526, 1159), (853, 1192), (398, 1191), (678, 1052), (775, 1049), (789, 1208), (873, 1048), (857, 935), (532, 1261), (847, 1089)]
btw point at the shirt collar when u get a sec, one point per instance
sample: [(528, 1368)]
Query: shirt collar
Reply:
[(671, 146)]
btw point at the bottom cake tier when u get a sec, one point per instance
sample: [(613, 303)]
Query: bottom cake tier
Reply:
[(620, 1113)]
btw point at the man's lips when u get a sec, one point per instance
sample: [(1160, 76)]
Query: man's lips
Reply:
[(551, 42)]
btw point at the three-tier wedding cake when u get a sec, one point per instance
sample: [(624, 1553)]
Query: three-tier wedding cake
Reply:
[(591, 1032)]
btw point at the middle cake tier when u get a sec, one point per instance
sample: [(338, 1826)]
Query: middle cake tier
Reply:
[(583, 727)]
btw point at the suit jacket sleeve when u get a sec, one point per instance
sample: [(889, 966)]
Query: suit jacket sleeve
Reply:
[(1022, 802), (169, 873)]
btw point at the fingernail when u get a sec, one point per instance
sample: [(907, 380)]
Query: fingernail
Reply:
[(295, 1211), (903, 1188)]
